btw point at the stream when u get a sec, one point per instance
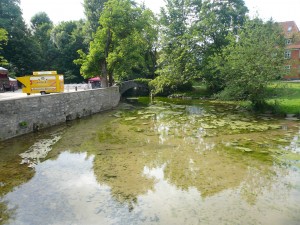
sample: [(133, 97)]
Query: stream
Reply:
[(155, 162)]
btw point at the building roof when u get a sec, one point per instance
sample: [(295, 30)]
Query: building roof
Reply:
[(95, 79), (289, 28), (3, 69)]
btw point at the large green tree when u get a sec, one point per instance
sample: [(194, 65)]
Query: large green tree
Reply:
[(250, 62), (68, 38), (122, 45), (177, 62), (216, 20), (41, 27), (20, 50), (92, 11)]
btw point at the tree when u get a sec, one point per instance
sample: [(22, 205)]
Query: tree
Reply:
[(41, 27), (250, 62), (177, 62), (68, 38), (121, 44), (20, 50), (217, 19), (92, 11), (3, 41)]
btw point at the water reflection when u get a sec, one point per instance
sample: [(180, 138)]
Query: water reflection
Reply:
[(295, 144), (66, 191), (163, 164), (61, 192)]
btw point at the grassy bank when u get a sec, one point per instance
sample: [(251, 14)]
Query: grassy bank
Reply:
[(288, 99), (285, 97)]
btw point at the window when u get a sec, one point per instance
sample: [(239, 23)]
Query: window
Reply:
[(287, 54), (289, 29), (287, 68), (288, 41)]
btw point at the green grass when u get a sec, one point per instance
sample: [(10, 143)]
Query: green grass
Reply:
[(199, 91), (285, 97), (288, 99)]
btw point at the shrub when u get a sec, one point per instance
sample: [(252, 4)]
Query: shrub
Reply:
[(163, 86)]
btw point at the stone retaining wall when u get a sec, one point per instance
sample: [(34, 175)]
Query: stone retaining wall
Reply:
[(24, 115)]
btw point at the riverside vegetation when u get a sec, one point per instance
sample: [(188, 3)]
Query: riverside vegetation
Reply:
[(235, 56), (284, 97)]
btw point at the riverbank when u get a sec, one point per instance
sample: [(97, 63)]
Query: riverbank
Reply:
[(284, 100), (288, 99)]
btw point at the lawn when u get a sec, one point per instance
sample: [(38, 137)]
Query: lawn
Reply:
[(287, 101), (284, 97)]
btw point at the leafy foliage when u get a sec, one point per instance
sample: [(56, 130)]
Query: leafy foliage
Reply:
[(143, 81), (41, 27), (177, 38), (121, 44), (217, 20), (192, 31), (164, 86), (3, 41), (92, 10), (178, 64), (68, 38), (250, 62), (20, 51)]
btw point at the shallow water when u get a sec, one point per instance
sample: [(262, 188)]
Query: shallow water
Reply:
[(166, 162)]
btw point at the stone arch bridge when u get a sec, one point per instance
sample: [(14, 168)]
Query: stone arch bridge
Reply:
[(126, 85)]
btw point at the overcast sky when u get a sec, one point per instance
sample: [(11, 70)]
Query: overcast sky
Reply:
[(65, 10)]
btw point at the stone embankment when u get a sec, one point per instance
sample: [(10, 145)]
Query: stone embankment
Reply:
[(28, 114)]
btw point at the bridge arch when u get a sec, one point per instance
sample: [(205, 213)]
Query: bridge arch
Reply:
[(126, 85)]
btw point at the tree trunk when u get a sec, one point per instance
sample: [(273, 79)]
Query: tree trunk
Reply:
[(104, 74), (107, 44), (110, 79)]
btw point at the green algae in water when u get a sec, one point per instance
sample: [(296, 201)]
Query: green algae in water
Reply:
[(206, 126), (118, 114), (139, 162), (130, 118), (244, 149), (292, 156)]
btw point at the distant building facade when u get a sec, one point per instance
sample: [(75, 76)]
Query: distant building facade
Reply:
[(292, 50)]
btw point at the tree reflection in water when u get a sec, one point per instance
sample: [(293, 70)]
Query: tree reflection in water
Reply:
[(191, 158), (201, 149)]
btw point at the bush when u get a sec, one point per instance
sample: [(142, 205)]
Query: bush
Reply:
[(163, 86), (143, 81)]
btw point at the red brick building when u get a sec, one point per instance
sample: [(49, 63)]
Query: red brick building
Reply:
[(292, 50)]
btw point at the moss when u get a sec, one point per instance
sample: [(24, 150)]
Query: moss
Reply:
[(23, 124)]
